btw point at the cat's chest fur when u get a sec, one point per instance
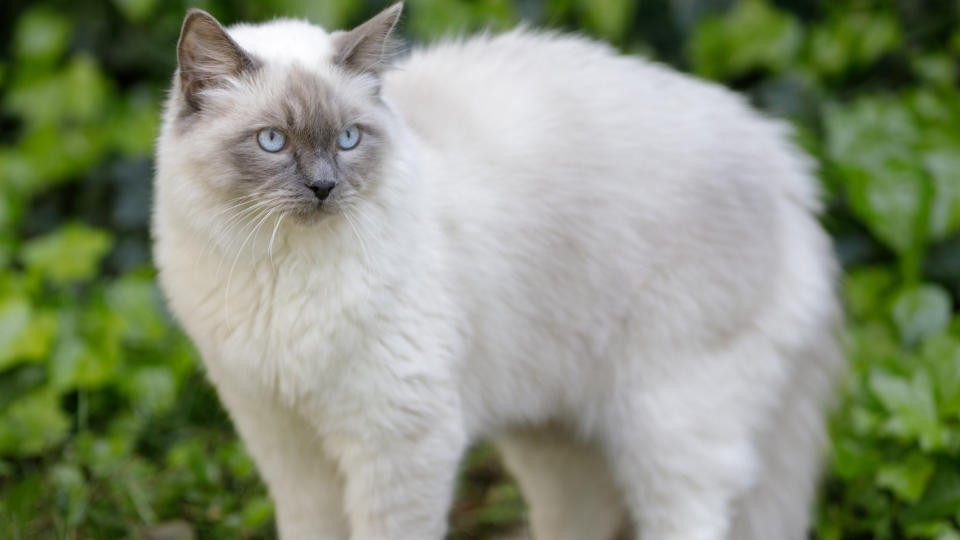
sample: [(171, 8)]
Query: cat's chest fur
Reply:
[(282, 325)]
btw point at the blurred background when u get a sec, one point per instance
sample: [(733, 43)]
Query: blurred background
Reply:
[(107, 428)]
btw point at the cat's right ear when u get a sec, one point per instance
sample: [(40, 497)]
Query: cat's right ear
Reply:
[(207, 56)]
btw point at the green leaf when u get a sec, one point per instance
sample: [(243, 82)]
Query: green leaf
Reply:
[(873, 343), (33, 424), (943, 165), (937, 69), (911, 402), (135, 10), (609, 18), (907, 478), (237, 461), (851, 41), (503, 505), (78, 93), (257, 512), (752, 36), (875, 34), (69, 254), (25, 333), (865, 290), (921, 311), (941, 499), (134, 125), (135, 300), (938, 530), (152, 389), (853, 457), (41, 34), (102, 455), (942, 356), (872, 141), (72, 493), (430, 19), (20, 381)]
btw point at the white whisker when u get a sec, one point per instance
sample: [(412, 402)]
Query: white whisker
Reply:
[(363, 246), (226, 292), (230, 221), (274, 237), (235, 202), (370, 222), (253, 246), (239, 220)]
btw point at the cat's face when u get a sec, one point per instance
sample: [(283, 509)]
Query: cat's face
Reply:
[(267, 134)]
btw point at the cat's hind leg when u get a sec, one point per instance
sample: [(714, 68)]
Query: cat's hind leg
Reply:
[(793, 445), (681, 437), (566, 484)]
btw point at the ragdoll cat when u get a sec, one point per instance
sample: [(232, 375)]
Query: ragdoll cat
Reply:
[(613, 270)]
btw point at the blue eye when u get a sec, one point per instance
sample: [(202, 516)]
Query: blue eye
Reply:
[(349, 138), (271, 140)]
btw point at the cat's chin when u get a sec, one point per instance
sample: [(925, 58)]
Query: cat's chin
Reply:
[(313, 215)]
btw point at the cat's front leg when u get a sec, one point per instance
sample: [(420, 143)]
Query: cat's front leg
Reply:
[(304, 482), (400, 486)]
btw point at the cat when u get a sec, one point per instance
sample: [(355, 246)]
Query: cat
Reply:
[(611, 269)]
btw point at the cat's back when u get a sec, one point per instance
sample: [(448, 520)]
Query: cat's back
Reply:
[(532, 98), (503, 89), (542, 148)]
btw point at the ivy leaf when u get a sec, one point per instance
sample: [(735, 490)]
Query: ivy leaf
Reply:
[(907, 478), (25, 332), (68, 255), (851, 41), (865, 290), (871, 143), (911, 402), (72, 491), (752, 36), (940, 500), (609, 18), (78, 93), (20, 381), (943, 166), (33, 424), (257, 512), (41, 35), (135, 10), (942, 356), (921, 311), (152, 388), (135, 300)]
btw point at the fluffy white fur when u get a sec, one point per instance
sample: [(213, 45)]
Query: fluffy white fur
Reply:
[(612, 268)]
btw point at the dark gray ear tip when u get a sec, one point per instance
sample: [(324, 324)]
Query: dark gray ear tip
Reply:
[(197, 15), (396, 10)]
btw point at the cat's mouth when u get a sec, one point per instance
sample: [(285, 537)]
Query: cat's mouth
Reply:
[(313, 207)]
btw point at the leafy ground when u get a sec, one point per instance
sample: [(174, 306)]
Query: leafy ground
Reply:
[(107, 428)]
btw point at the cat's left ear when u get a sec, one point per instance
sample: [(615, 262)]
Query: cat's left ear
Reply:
[(365, 48)]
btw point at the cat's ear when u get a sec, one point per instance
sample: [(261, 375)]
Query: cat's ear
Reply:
[(207, 55), (365, 48)]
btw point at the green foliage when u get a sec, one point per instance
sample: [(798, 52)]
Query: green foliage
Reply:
[(752, 36), (107, 428)]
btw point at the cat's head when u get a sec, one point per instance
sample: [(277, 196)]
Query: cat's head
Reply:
[(280, 117)]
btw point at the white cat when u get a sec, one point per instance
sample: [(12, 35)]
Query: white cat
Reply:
[(611, 268)]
